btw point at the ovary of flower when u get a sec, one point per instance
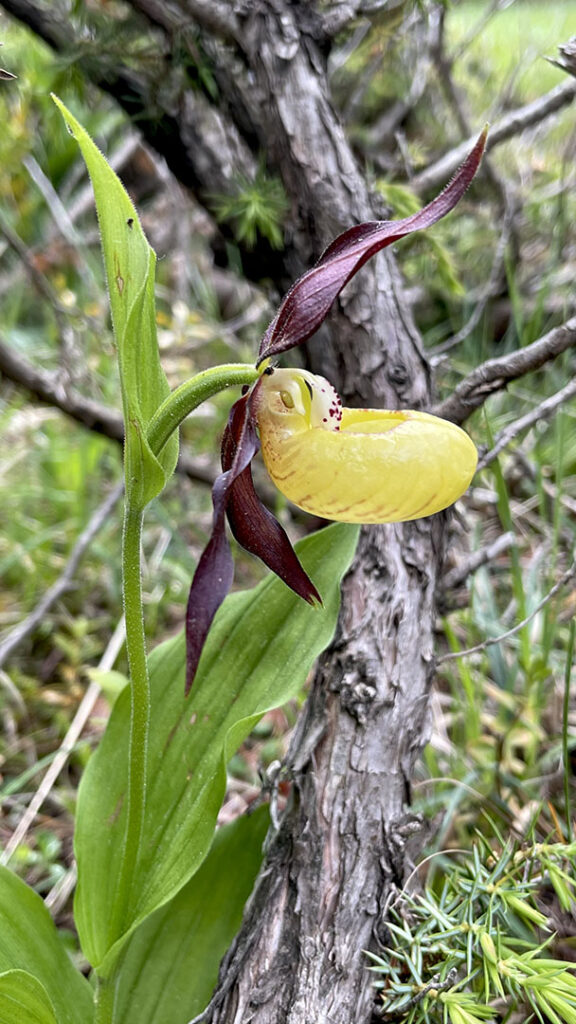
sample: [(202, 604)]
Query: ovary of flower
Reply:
[(357, 465)]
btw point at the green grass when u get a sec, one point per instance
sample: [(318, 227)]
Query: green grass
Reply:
[(514, 45)]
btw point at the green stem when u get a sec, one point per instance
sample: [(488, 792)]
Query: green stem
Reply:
[(139, 707), (184, 399), (105, 995), (165, 421)]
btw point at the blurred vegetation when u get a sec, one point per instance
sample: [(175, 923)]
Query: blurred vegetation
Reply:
[(503, 737)]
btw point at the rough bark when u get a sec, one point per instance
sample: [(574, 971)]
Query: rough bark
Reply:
[(373, 353)]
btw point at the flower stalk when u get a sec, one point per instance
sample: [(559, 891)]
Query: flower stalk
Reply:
[(189, 395)]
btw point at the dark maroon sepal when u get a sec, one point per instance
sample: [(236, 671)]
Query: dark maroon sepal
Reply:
[(256, 529), (307, 304), (253, 526), (215, 570)]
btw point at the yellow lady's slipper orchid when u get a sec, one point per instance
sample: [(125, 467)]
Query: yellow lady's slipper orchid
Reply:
[(352, 465), (357, 465)]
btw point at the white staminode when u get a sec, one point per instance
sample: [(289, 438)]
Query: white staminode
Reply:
[(309, 395)]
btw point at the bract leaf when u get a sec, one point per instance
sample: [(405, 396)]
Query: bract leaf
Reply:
[(170, 965), (130, 268), (29, 943), (257, 655), (307, 304)]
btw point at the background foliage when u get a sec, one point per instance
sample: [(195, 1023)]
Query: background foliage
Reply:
[(495, 277)]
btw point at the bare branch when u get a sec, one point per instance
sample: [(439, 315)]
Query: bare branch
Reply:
[(567, 59), (457, 576), (511, 124), (565, 578), (494, 374), (542, 411), (47, 387), (62, 584), (443, 65)]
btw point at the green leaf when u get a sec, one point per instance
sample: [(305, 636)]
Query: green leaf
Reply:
[(130, 266), (170, 964), (259, 652), (24, 1000), (29, 942)]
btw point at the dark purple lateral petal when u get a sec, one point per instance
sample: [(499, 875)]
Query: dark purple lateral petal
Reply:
[(307, 304), (215, 570), (256, 529)]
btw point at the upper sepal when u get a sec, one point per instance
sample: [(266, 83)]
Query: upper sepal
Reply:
[(307, 304)]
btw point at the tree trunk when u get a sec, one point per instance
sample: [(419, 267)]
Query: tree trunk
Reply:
[(339, 852)]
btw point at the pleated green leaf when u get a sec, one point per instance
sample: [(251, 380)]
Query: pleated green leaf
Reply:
[(130, 271), (259, 652), (170, 965), (23, 1000), (30, 945)]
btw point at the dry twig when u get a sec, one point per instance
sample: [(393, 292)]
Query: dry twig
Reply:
[(541, 412), (457, 576), (47, 387), (564, 579), (510, 124), (493, 375)]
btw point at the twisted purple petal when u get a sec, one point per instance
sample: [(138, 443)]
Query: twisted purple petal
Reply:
[(307, 304), (215, 570), (256, 529)]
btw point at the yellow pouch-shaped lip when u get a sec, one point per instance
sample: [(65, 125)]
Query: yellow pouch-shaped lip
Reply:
[(380, 466)]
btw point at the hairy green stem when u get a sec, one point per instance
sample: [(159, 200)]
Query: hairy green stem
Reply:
[(139, 706), (104, 1006), (165, 421), (184, 399)]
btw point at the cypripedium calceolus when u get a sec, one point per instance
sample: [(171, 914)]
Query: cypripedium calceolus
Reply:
[(349, 465)]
